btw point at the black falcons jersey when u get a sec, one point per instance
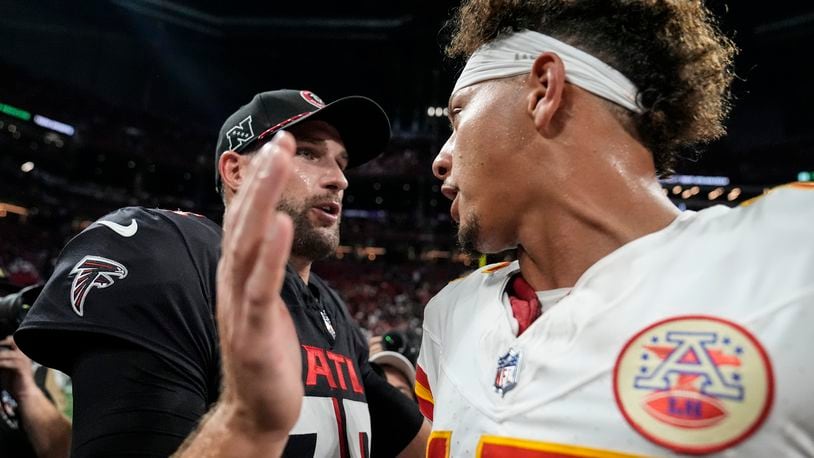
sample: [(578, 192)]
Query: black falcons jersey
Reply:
[(148, 277), (143, 275), (334, 415)]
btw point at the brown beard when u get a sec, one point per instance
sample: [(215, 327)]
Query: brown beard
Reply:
[(309, 242)]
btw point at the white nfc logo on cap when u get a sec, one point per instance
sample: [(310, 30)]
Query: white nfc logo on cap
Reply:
[(240, 134)]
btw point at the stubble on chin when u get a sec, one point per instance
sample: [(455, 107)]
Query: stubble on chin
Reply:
[(468, 235), (310, 242)]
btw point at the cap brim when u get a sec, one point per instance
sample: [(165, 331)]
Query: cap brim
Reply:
[(362, 124), (397, 360)]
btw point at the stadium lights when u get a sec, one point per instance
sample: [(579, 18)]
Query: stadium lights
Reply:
[(9, 208), (54, 125), (463, 258), (699, 180), (39, 120), (805, 176), (370, 252), (733, 194), (27, 167), (342, 250), (432, 255), (715, 193), (15, 112), (437, 112)]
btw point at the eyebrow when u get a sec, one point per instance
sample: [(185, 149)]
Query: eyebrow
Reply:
[(449, 100), (343, 154), (450, 118), (303, 138), (450, 113)]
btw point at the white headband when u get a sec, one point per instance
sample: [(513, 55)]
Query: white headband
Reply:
[(512, 54)]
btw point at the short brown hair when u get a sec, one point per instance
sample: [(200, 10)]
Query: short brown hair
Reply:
[(672, 50)]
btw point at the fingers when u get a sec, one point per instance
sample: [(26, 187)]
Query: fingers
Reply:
[(235, 208), (281, 141), (8, 347), (375, 348), (266, 280), (248, 221), (374, 345), (259, 196), (10, 360)]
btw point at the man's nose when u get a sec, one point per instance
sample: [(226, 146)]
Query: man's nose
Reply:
[(334, 179), (442, 165)]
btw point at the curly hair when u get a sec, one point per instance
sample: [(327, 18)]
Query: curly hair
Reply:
[(672, 50)]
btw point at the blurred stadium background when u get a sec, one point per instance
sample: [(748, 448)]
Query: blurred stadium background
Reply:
[(109, 103)]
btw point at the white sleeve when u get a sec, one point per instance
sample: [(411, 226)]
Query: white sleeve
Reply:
[(428, 358)]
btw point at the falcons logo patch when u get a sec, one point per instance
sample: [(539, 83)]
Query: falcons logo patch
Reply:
[(93, 272)]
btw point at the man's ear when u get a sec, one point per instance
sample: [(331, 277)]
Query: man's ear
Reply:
[(231, 170), (546, 80)]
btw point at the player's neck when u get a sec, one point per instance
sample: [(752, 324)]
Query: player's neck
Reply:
[(302, 266), (560, 240)]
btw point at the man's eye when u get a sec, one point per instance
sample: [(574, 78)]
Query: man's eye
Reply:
[(453, 115), (305, 153)]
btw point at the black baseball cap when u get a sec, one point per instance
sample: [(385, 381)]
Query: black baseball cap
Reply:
[(361, 122)]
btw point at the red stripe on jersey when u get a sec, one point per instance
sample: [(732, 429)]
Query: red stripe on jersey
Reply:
[(424, 393), (421, 377), (426, 408), (340, 425), (363, 449), (438, 445)]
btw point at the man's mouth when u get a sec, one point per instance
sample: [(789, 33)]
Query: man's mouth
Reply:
[(453, 211), (328, 211), (331, 208), (451, 193)]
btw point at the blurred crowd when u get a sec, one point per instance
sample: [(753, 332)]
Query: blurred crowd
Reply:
[(382, 294)]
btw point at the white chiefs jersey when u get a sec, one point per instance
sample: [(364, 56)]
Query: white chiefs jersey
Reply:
[(696, 339)]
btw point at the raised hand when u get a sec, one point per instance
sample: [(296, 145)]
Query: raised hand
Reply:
[(262, 384)]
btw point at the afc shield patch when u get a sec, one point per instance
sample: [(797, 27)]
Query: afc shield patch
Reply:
[(694, 384)]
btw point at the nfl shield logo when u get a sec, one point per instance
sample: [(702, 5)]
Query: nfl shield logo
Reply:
[(508, 367)]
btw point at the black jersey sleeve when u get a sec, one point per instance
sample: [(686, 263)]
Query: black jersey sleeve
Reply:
[(143, 276), (394, 418), (131, 402)]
